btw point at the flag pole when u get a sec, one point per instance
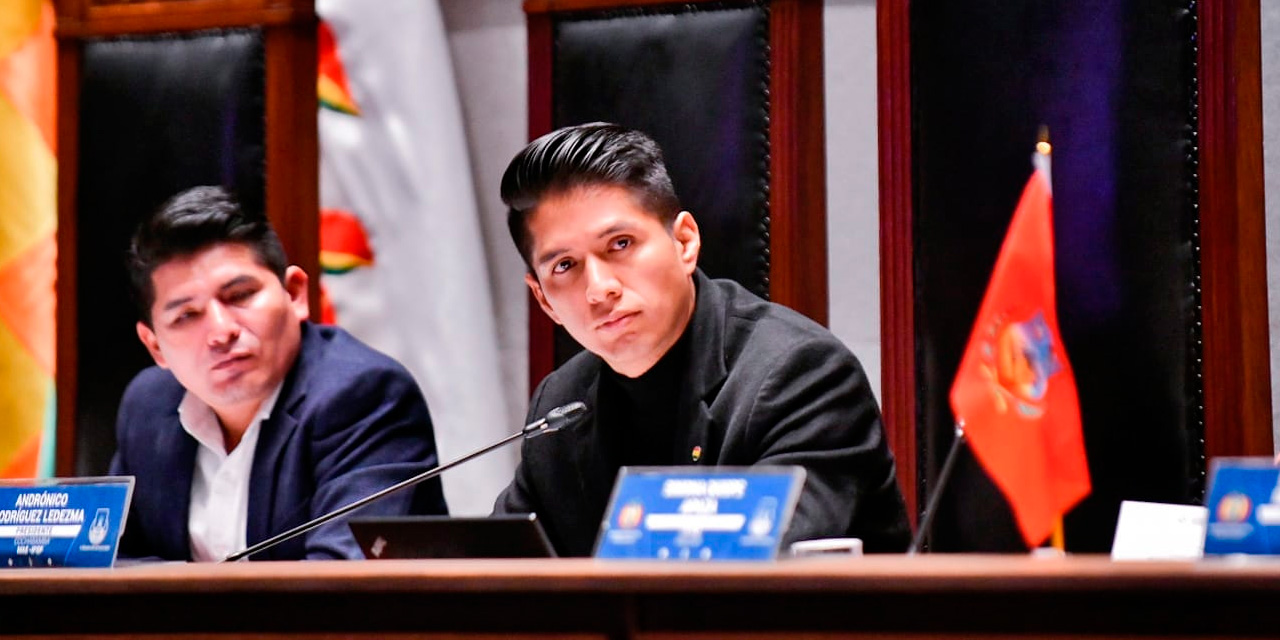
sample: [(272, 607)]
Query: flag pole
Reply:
[(926, 520), (1042, 159)]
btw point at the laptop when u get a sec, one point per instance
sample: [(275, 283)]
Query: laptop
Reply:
[(505, 536)]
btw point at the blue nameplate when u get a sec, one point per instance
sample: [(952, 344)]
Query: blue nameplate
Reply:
[(1244, 507), (74, 522), (685, 513)]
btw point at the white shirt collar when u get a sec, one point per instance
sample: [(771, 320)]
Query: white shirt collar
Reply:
[(200, 421)]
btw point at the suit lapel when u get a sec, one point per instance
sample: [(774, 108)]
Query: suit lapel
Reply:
[(264, 479), (177, 467), (274, 435), (707, 372)]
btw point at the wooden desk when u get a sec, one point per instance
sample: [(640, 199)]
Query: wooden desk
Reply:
[(875, 597)]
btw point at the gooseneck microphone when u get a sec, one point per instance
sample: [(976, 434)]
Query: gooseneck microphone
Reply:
[(555, 420)]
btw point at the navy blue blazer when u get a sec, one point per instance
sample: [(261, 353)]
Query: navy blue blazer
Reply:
[(348, 422)]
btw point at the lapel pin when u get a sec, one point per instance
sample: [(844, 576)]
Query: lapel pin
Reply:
[(697, 453)]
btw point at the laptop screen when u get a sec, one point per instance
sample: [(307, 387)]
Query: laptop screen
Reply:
[(505, 536)]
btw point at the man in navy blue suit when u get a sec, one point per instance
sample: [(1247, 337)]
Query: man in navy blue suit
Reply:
[(254, 420)]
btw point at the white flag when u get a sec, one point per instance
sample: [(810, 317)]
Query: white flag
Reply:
[(401, 239)]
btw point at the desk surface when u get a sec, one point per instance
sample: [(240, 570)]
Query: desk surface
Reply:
[(923, 596)]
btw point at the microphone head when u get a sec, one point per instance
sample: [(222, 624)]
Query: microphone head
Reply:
[(566, 415), (560, 417)]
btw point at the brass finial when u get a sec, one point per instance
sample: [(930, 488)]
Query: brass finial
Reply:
[(1042, 144)]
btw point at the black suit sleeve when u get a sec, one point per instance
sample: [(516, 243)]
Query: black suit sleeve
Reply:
[(520, 496), (130, 543), (815, 409)]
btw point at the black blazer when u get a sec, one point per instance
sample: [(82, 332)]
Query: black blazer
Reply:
[(770, 387), (349, 421)]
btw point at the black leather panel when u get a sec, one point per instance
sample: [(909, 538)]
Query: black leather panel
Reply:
[(695, 78), (157, 115), (1113, 81)]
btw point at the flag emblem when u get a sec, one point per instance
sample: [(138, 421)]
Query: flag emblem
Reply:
[(1019, 358)]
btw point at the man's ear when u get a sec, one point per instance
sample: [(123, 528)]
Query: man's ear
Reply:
[(536, 288), (149, 340), (688, 240), (295, 284)]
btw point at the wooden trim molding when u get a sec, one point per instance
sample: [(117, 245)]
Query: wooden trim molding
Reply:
[(541, 29), (66, 286), (897, 289), (84, 20), (797, 157), (1237, 375), (292, 181)]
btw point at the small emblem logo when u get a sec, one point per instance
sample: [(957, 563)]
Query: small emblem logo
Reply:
[(1234, 507), (98, 528), (379, 545), (630, 515), (1018, 360), (762, 520)]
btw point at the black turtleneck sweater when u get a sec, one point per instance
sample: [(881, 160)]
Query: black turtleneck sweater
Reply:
[(639, 415)]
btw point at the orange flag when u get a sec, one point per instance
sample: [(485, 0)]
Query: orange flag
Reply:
[(1015, 395)]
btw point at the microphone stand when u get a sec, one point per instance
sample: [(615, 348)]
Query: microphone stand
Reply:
[(556, 419), (926, 520)]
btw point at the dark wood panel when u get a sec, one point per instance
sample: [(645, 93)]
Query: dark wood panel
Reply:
[(374, 635), (1237, 384), (66, 287), (897, 296), (293, 152), (76, 19), (797, 143), (70, 9), (961, 596), (541, 30)]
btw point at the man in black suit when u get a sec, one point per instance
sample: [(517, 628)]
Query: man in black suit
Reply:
[(679, 369)]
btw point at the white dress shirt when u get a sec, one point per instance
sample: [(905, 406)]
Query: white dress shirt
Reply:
[(220, 483)]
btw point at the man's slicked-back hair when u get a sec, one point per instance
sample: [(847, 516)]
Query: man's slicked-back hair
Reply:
[(189, 223), (586, 155)]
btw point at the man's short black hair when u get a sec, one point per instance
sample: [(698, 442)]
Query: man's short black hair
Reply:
[(586, 155), (189, 223)]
